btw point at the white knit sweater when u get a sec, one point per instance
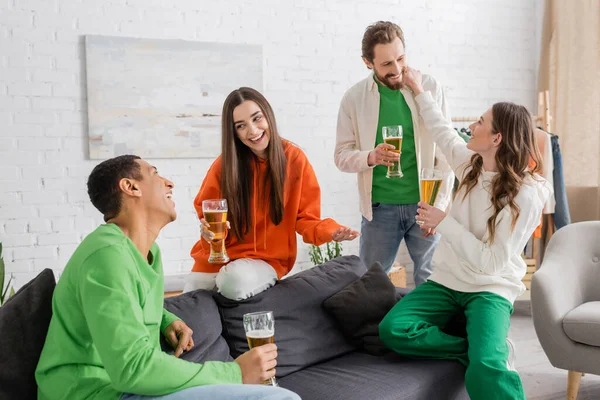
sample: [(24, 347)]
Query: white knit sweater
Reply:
[(465, 260)]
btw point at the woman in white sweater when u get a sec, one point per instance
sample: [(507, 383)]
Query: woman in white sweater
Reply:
[(478, 265)]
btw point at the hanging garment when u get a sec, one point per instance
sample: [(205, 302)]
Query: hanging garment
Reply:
[(562, 216), (548, 171)]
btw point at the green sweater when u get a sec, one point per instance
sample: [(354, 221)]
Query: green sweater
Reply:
[(393, 110), (107, 319)]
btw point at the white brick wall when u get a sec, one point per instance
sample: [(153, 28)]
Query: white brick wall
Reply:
[(482, 51)]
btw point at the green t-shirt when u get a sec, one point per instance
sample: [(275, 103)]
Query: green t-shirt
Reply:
[(393, 110), (104, 334)]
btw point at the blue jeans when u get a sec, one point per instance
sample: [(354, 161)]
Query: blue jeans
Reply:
[(381, 237), (562, 216), (223, 392)]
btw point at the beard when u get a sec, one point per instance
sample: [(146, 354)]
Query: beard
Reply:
[(385, 80)]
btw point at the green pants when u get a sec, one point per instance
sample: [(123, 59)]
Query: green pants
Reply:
[(414, 326)]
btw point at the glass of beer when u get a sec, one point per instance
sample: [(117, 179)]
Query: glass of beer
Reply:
[(260, 329), (431, 180), (393, 135), (215, 213)]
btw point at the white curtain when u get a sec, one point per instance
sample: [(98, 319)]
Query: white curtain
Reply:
[(570, 70)]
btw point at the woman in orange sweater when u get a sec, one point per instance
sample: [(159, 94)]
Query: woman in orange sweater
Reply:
[(272, 193)]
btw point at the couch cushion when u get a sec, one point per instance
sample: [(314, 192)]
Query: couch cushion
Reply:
[(359, 376), (304, 332), (199, 311), (360, 307), (24, 321), (582, 324)]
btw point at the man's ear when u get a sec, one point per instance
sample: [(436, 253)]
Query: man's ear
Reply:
[(130, 187), (367, 63)]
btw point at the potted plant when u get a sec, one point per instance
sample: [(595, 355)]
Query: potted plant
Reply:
[(8, 289), (319, 256)]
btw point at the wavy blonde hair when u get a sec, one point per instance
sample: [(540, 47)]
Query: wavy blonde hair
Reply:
[(517, 157)]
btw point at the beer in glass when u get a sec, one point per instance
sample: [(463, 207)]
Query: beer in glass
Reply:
[(393, 135), (215, 213), (260, 329), (431, 180)]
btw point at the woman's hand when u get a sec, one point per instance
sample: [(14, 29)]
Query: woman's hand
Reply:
[(413, 79), (428, 232), (344, 234), (206, 233), (429, 216)]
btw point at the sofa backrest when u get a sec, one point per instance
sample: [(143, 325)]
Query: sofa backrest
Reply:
[(304, 332)]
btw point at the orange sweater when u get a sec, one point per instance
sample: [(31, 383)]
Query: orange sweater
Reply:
[(275, 245), (537, 234)]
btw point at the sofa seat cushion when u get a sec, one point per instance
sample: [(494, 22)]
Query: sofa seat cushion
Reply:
[(24, 321), (582, 324), (304, 332), (360, 376), (199, 311)]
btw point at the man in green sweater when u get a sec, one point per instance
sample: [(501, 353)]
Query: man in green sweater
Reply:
[(389, 206), (103, 339)]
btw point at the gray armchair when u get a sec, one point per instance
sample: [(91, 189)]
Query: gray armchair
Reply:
[(565, 301)]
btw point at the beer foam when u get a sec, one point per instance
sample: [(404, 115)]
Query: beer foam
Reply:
[(261, 333)]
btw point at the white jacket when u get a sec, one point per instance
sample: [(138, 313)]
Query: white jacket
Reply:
[(465, 260), (357, 131)]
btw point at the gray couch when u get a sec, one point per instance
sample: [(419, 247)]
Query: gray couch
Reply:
[(315, 359)]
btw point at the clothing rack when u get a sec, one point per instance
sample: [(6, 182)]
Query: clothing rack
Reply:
[(543, 119)]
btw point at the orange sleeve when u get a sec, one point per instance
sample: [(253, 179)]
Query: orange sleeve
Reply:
[(210, 189), (309, 224)]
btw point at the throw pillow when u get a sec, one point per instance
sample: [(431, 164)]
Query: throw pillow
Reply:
[(360, 307), (24, 321)]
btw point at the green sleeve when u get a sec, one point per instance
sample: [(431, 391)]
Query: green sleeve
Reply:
[(128, 350), (167, 319)]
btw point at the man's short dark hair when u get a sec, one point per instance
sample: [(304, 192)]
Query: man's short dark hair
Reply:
[(381, 32), (103, 183)]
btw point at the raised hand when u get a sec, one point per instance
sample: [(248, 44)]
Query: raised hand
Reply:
[(413, 79), (344, 234)]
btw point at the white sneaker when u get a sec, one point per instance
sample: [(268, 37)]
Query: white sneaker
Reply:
[(511, 361)]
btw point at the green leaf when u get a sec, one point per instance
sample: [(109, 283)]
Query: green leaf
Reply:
[(12, 292), (338, 249), (317, 255), (3, 297), (329, 251), (1, 270)]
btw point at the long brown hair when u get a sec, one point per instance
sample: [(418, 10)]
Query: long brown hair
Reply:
[(517, 148), (237, 172)]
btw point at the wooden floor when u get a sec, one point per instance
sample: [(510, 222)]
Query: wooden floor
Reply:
[(540, 379)]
